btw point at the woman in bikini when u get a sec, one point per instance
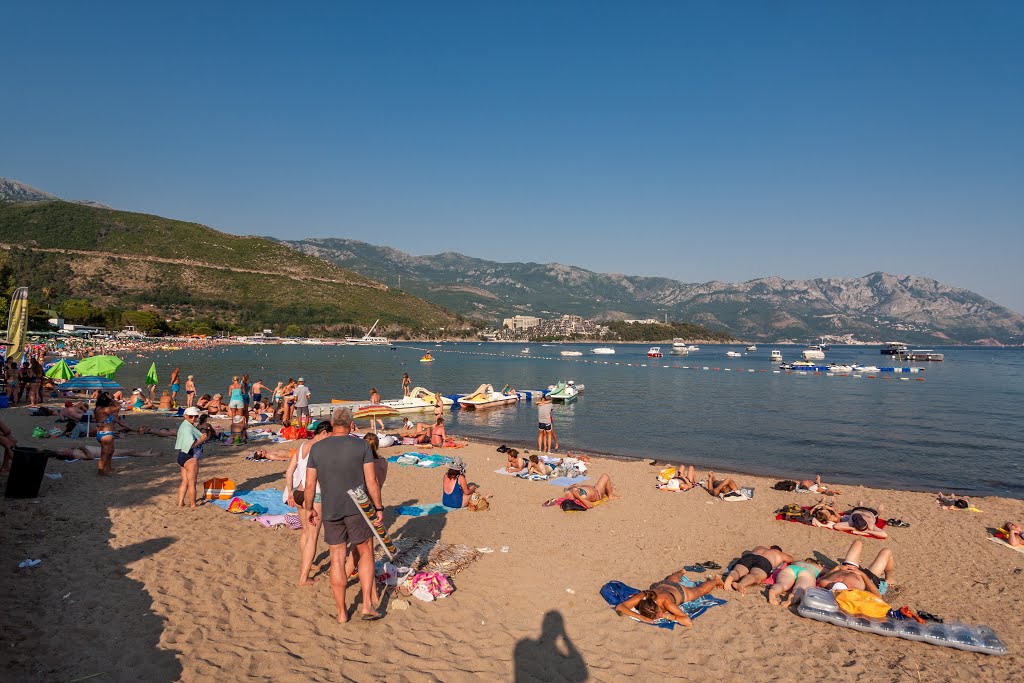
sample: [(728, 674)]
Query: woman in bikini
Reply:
[(406, 384), (794, 579), (686, 477), (587, 495), (295, 490), (663, 598), (717, 487), (437, 433), (105, 415), (375, 400)]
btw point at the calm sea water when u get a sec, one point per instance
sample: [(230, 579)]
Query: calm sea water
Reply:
[(960, 429)]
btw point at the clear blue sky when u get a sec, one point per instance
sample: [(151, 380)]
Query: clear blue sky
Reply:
[(696, 140)]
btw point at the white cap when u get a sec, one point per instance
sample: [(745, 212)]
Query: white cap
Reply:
[(301, 379), (192, 411), (839, 586)]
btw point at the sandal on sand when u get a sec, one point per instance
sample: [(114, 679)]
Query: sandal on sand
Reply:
[(711, 565), (696, 568), (897, 523), (485, 550)]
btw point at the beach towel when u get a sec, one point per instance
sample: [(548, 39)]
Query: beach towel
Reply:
[(429, 555), (614, 592), (568, 481), (422, 510), (502, 470), (743, 494), (270, 499), (290, 521), (413, 459), (879, 523), (996, 539)]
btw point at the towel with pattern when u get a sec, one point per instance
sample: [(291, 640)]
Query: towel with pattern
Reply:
[(615, 592)]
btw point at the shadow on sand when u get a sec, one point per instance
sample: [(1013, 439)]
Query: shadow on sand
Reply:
[(551, 657)]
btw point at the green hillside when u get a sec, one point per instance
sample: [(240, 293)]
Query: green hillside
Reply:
[(198, 277)]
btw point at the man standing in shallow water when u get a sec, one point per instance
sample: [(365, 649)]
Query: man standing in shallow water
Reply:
[(339, 463)]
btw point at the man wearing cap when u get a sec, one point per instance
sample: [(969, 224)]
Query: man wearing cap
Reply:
[(849, 574), (301, 405), (339, 463)]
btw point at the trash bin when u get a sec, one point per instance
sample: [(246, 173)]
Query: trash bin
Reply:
[(26, 473)]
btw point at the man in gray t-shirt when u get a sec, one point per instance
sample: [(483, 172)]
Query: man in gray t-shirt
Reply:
[(544, 406), (301, 404), (339, 463)]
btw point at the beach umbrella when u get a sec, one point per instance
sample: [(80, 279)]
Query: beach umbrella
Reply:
[(70, 362), (373, 411), (151, 375), (60, 370), (90, 383), (103, 366)]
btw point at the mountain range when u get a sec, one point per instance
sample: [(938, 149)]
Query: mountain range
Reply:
[(877, 306)]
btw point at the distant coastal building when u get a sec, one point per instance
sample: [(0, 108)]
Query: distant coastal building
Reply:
[(645, 321), (521, 323), (568, 326)]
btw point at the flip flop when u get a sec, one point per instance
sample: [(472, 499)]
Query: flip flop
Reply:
[(696, 568), (711, 565), (897, 523)]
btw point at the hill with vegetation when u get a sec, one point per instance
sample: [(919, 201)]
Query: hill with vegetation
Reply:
[(878, 306), (97, 265)]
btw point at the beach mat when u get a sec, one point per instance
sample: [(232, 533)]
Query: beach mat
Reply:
[(423, 510), (423, 460), (614, 592), (568, 481), (994, 539), (427, 555), (268, 498)]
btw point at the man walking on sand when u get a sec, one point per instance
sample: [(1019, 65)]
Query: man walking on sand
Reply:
[(339, 463)]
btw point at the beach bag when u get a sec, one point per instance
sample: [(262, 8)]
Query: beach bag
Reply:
[(791, 511), (571, 505), (218, 489), (862, 603), (785, 485), (39, 433), (408, 440)]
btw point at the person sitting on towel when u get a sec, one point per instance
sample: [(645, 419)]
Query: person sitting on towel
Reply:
[(515, 462), (538, 467), (717, 487), (663, 599), (586, 495), (755, 566), (849, 573)]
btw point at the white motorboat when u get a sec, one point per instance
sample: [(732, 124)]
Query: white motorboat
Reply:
[(813, 352), (866, 368), (572, 353), (894, 348), (679, 351), (678, 343), (603, 350), (526, 350), (691, 347), (799, 365), (751, 348), (733, 354), (836, 367), (486, 397), (654, 352), (776, 356)]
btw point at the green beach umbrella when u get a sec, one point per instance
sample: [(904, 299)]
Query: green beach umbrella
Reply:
[(60, 371), (99, 366), (151, 375)]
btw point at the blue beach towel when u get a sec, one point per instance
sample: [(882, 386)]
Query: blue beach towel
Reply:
[(568, 481), (615, 592), (423, 510), (268, 498), (424, 460)]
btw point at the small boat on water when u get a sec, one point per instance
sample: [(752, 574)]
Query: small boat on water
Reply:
[(603, 350), (813, 352), (837, 368), (526, 350), (733, 354), (486, 397), (894, 349), (427, 358), (678, 343), (691, 347), (925, 355), (572, 353), (799, 365), (775, 356), (564, 392), (866, 368), (679, 351), (654, 352), (751, 348)]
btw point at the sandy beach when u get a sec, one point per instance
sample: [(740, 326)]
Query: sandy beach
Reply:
[(132, 588)]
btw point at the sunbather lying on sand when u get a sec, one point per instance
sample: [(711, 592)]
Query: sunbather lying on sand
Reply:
[(754, 567), (794, 578), (92, 452), (157, 431), (587, 495), (686, 476), (538, 467), (860, 521), (1013, 532), (816, 487), (717, 487), (515, 462), (952, 501), (849, 573), (663, 599)]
